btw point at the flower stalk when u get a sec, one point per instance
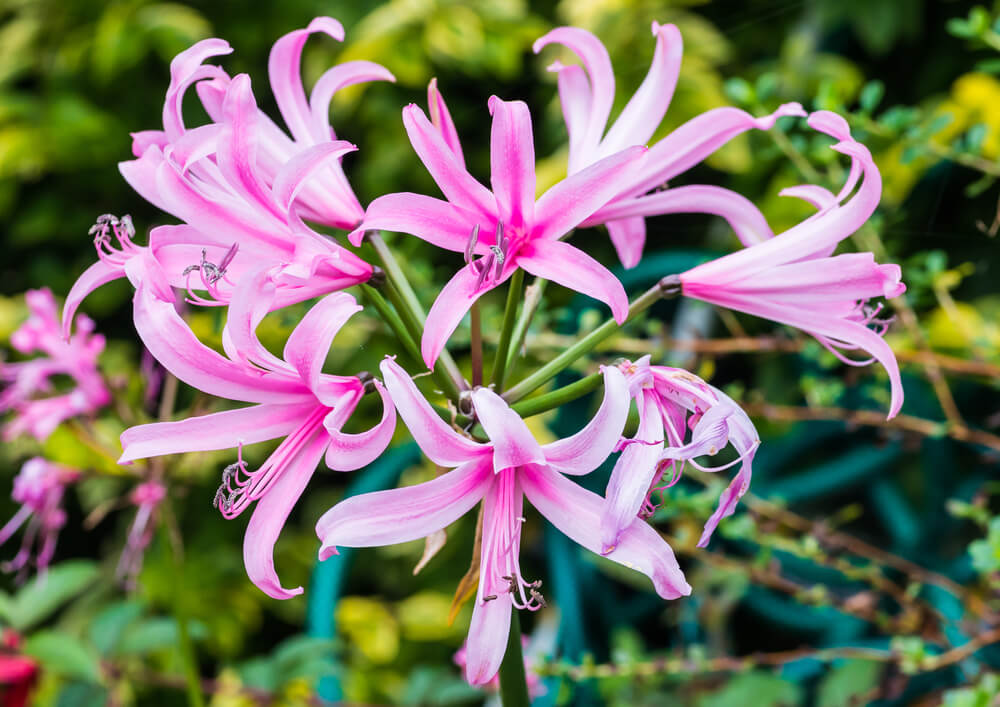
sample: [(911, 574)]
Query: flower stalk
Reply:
[(500, 366), (513, 681)]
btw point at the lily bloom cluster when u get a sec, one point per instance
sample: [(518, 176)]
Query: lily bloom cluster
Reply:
[(249, 195)]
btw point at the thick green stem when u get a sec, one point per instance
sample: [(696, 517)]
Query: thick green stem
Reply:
[(558, 397), (509, 315), (390, 317), (513, 681), (667, 287), (410, 305), (532, 297)]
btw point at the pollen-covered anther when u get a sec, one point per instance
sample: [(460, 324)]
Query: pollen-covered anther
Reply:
[(489, 268), (123, 230), (211, 274)]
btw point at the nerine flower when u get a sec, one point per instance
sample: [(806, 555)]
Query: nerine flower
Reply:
[(681, 418), (39, 488), (146, 497), (504, 229), (587, 94), (294, 400), (500, 473), (75, 358), (240, 184), (794, 279)]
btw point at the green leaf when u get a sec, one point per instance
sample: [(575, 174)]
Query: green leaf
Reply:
[(45, 594), (155, 634), (107, 629), (757, 689), (975, 136), (871, 95), (739, 91), (847, 682), (64, 654)]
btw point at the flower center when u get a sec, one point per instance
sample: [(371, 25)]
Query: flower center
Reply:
[(489, 267), (123, 230)]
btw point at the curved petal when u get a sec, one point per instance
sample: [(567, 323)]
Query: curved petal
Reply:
[(438, 222), (141, 176), (588, 448), (570, 202), (454, 300), (348, 452), (487, 642), (571, 267), (334, 79), (457, 185), (513, 444), (576, 512), (602, 78), (512, 162), (251, 301), (100, 273), (628, 236), (220, 430), (441, 119), (403, 514), (439, 442), (186, 68), (270, 515), (294, 173), (309, 343), (574, 98), (634, 472), (175, 346), (644, 111), (745, 219), (284, 72)]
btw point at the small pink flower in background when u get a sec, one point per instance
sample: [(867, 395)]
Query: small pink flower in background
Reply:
[(536, 688), (506, 227), (587, 94), (500, 473), (294, 399), (241, 185), (681, 417), (794, 279), (75, 358), (18, 673), (39, 488), (146, 497)]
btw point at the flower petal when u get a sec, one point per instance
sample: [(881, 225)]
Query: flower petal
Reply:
[(438, 222), (512, 162), (575, 100), (309, 343), (333, 80), (576, 512), (644, 111), (403, 514), (284, 72), (570, 202), (634, 472), (252, 300), (220, 430), (454, 300), (513, 444), (185, 69), (439, 442), (745, 219), (348, 452), (588, 448), (628, 236), (457, 185), (571, 267), (100, 273), (295, 173), (271, 513), (441, 119), (489, 631)]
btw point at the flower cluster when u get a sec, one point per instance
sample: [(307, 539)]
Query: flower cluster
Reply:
[(249, 197)]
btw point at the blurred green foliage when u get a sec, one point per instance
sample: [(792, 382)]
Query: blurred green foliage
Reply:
[(918, 82)]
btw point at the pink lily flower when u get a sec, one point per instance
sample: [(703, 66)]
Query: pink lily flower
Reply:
[(587, 93), (240, 184), (294, 399), (75, 357), (146, 497), (794, 279), (509, 228), (500, 473), (39, 488), (673, 403)]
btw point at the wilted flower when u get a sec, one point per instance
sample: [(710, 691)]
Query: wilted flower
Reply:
[(794, 279), (587, 94), (681, 418), (500, 473), (75, 358), (39, 489), (295, 400), (506, 227)]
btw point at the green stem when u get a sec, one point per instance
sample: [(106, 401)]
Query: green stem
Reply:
[(476, 344), (513, 681), (509, 315), (410, 303), (192, 680), (390, 317), (558, 397), (532, 297), (667, 287)]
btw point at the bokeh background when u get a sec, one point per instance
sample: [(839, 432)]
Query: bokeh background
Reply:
[(857, 572)]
